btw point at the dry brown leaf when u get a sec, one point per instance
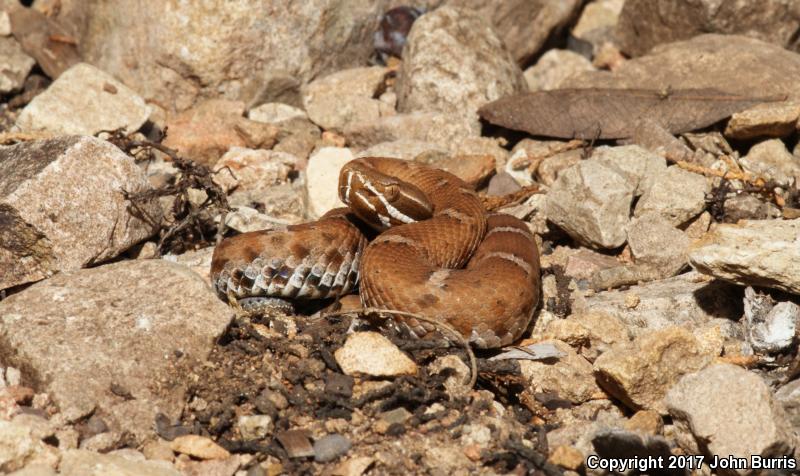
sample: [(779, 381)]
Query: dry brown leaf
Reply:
[(597, 113)]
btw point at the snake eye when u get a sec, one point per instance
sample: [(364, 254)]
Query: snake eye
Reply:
[(391, 192)]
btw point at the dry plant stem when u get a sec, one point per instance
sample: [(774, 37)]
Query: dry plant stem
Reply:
[(492, 203), (8, 138), (439, 325), (737, 175)]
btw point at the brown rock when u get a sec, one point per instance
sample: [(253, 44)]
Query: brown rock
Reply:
[(473, 169), (136, 323), (248, 174), (639, 373), (774, 119), (62, 207), (772, 161), (453, 63), (199, 447), (569, 378), (554, 67), (646, 421), (346, 97), (567, 457), (583, 263), (436, 128), (641, 26), (208, 130)]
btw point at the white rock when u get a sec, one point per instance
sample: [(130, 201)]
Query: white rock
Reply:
[(756, 252), (5, 23), (254, 427), (770, 327), (90, 463), (274, 112), (772, 160), (369, 353), (14, 63), (249, 170), (322, 179), (84, 100), (656, 242)]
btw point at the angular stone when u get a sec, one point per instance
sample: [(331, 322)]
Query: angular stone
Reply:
[(640, 372), (90, 463), (383, 359), (346, 97), (789, 397), (330, 447), (139, 324), (642, 27), (775, 119), (252, 51), (84, 100), (769, 327), (18, 447), (569, 378), (14, 65), (523, 25), (473, 169), (676, 194), (771, 160), (730, 63), (730, 411), (554, 67), (62, 207), (686, 300), (453, 63), (641, 166), (597, 22), (205, 132), (433, 127), (322, 179), (591, 201), (407, 149), (655, 242), (254, 427), (198, 446), (250, 173), (275, 112), (753, 252)]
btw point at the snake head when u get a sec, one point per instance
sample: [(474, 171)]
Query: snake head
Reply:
[(379, 199)]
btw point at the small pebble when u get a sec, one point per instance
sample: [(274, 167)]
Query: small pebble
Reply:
[(330, 447)]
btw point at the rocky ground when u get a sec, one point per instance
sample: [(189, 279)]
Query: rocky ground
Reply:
[(130, 141)]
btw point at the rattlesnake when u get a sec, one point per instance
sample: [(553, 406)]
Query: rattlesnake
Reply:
[(442, 257)]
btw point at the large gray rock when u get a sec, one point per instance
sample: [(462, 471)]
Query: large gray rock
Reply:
[(677, 195), (454, 63), (729, 411), (14, 65), (62, 207), (755, 252), (136, 325), (84, 100), (248, 50), (643, 25)]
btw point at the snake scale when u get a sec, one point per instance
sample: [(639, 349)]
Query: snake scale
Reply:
[(441, 255)]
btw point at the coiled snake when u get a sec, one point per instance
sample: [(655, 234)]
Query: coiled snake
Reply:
[(442, 255)]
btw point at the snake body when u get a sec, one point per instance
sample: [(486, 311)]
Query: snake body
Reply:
[(441, 254)]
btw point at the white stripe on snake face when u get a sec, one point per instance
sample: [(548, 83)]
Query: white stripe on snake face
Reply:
[(393, 212), (364, 199), (511, 229), (511, 257), (347, 189)]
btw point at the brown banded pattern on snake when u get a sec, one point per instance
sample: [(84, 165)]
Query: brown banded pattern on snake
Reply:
[(444, 257)]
